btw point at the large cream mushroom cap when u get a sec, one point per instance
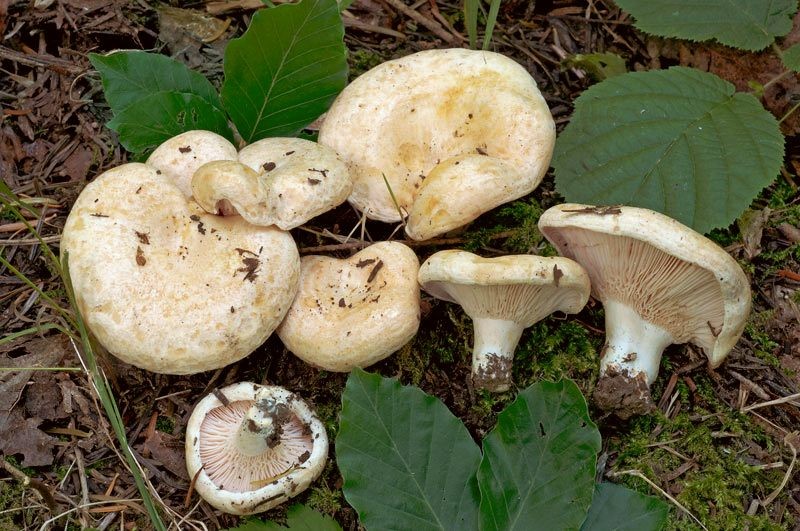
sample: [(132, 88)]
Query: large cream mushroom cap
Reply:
[(354, 312), (414, 120), (165, 286), (250, 447), (277, 181), (180, 156), (659, 281), (503, 296)]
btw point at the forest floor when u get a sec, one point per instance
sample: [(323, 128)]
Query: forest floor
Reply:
[(713, 445)]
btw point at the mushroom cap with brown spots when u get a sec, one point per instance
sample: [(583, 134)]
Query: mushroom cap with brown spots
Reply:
[(167, 287)]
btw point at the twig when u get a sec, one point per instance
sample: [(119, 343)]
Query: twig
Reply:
[(660, 490), (411, 243), (432, 25), (784, 400), (788, 442), (35, 484)]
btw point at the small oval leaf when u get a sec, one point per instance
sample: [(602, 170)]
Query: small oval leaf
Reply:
[(678, 141), (407, 462), (286, 69), (153, 119), (538, 465)]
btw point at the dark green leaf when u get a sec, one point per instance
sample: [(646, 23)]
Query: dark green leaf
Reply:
[(791, 58), (616, 508), (298, 518), (747, 24), (538, 465), (286, 69), (132, 75), (155, 118), (407, 462), (678, 141)]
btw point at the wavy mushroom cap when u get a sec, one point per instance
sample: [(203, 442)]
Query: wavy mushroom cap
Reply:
[(413, 121), (354, 312), (252, 447), (277, 181), (669, 274), (520, 288), (180, 156), (165, 286)]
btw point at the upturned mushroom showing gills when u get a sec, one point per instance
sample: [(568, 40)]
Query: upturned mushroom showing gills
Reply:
[(250, 447), (276, 181), (354, 312), (503, 296), (167, 287), (660, 283), (441, 136)]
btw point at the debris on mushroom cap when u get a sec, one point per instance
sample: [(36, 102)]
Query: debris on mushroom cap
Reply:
[(660, 283), (438, 119), (354, 312), (503, 296), (250, 447), (165, 286), (290, 181), (181, 155)]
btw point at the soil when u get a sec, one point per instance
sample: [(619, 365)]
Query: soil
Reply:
[(701, 446)]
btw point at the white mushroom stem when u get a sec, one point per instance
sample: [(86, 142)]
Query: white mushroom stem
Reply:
[(493, 353), (633, 345), (260, 426)]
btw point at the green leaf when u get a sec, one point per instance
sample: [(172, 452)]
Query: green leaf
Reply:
[(791, 57), (286, 69), (599, 65), (407, 462), (678, 141), (298, 518), (539, 461), (131, 75), (616, 508), (155, 118), (746, 24)]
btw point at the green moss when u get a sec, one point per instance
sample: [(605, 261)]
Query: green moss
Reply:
[(707, 433), (362, 60), (165, 424), (12, 495), (764, 347), (553, 349), (325, 499)]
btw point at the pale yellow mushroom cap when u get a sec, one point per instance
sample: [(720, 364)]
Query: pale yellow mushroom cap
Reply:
[(414, 120), (277, 181), (354, 312), (670, 275), (180, 156), (165, 286)]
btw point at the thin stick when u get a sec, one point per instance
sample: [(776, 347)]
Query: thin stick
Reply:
[(788, 442), (410, 243), (432, 25), (784, 400)]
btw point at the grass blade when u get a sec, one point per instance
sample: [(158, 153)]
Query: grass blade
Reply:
[(491, 19), (471, 21)]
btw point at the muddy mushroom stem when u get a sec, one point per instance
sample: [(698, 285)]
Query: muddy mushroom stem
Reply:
[(503, 296), (262, 425), (660, 283)]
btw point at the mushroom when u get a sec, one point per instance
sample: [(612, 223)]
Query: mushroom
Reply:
[(503, 296), (167, 287), (354, 312), (422, 134), (660, 283), (180, 156), (251, 447), (277, 181)]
